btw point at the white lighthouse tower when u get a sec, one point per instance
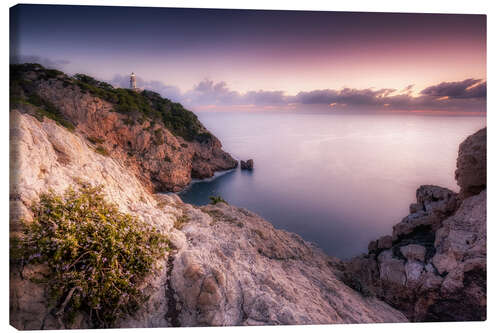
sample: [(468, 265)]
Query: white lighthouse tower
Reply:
[(133, 85)]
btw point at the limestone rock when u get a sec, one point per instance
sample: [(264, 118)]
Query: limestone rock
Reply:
[(435, 266), (391, 269), (434, 273), (434, 204), (471, 164), (414, 252), (239, 270), (384, 242), (413, 271)]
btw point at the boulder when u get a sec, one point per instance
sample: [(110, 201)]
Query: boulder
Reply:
[(246, 165), (413, 252), (391, 269), (372, 246), (434, 204), (414, 270), (384, 242), (471, 164), (437, 199)]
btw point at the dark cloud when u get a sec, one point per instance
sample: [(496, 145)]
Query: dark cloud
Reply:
[(469, 88), (263, 97), (346, 96), (408, 89), (46, 62)]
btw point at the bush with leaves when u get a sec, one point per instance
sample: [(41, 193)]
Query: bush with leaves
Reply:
[(216, 199), (97, 256)]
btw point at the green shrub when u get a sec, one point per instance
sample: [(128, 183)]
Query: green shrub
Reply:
[(96, 255), (215, 199), (23, 92)]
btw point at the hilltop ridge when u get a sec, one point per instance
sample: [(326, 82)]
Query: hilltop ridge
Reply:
[(165, 144)]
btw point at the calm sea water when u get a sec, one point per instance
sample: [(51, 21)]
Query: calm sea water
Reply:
[(337, 180)]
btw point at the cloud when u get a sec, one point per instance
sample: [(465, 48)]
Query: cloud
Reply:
[(46, 62), (408, 89), (348, 96), (469, 88), (263, 97), (210, 92), (466, 95)]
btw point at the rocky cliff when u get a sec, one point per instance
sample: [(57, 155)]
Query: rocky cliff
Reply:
[(163, 144), (227, 265), (433, 266)]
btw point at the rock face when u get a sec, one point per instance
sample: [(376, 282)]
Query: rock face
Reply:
[(433, 266), (246, 165), (47, 156), (229, 266), (162, 161), (234, 268), (471, 164)]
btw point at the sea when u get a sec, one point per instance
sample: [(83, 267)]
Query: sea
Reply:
[(337, 180)]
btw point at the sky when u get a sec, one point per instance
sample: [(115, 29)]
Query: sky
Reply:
[(247, 59)]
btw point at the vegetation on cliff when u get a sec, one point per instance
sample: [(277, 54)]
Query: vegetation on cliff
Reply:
[(96, 255), (147, 104), (23, 93)]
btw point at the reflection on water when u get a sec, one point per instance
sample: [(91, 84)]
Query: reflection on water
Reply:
[(336, 180)]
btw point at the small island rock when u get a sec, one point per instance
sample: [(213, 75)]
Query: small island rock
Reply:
[(246, 165)]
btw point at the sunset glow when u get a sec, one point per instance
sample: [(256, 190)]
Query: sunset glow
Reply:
[(264, 58)]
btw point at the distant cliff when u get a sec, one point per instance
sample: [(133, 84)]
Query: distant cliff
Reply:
[(164, 144)]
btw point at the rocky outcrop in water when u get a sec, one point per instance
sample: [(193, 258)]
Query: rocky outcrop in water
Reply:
[(246, 165), (433, 266)]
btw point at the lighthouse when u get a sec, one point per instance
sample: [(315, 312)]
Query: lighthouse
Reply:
[(132, 82)]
